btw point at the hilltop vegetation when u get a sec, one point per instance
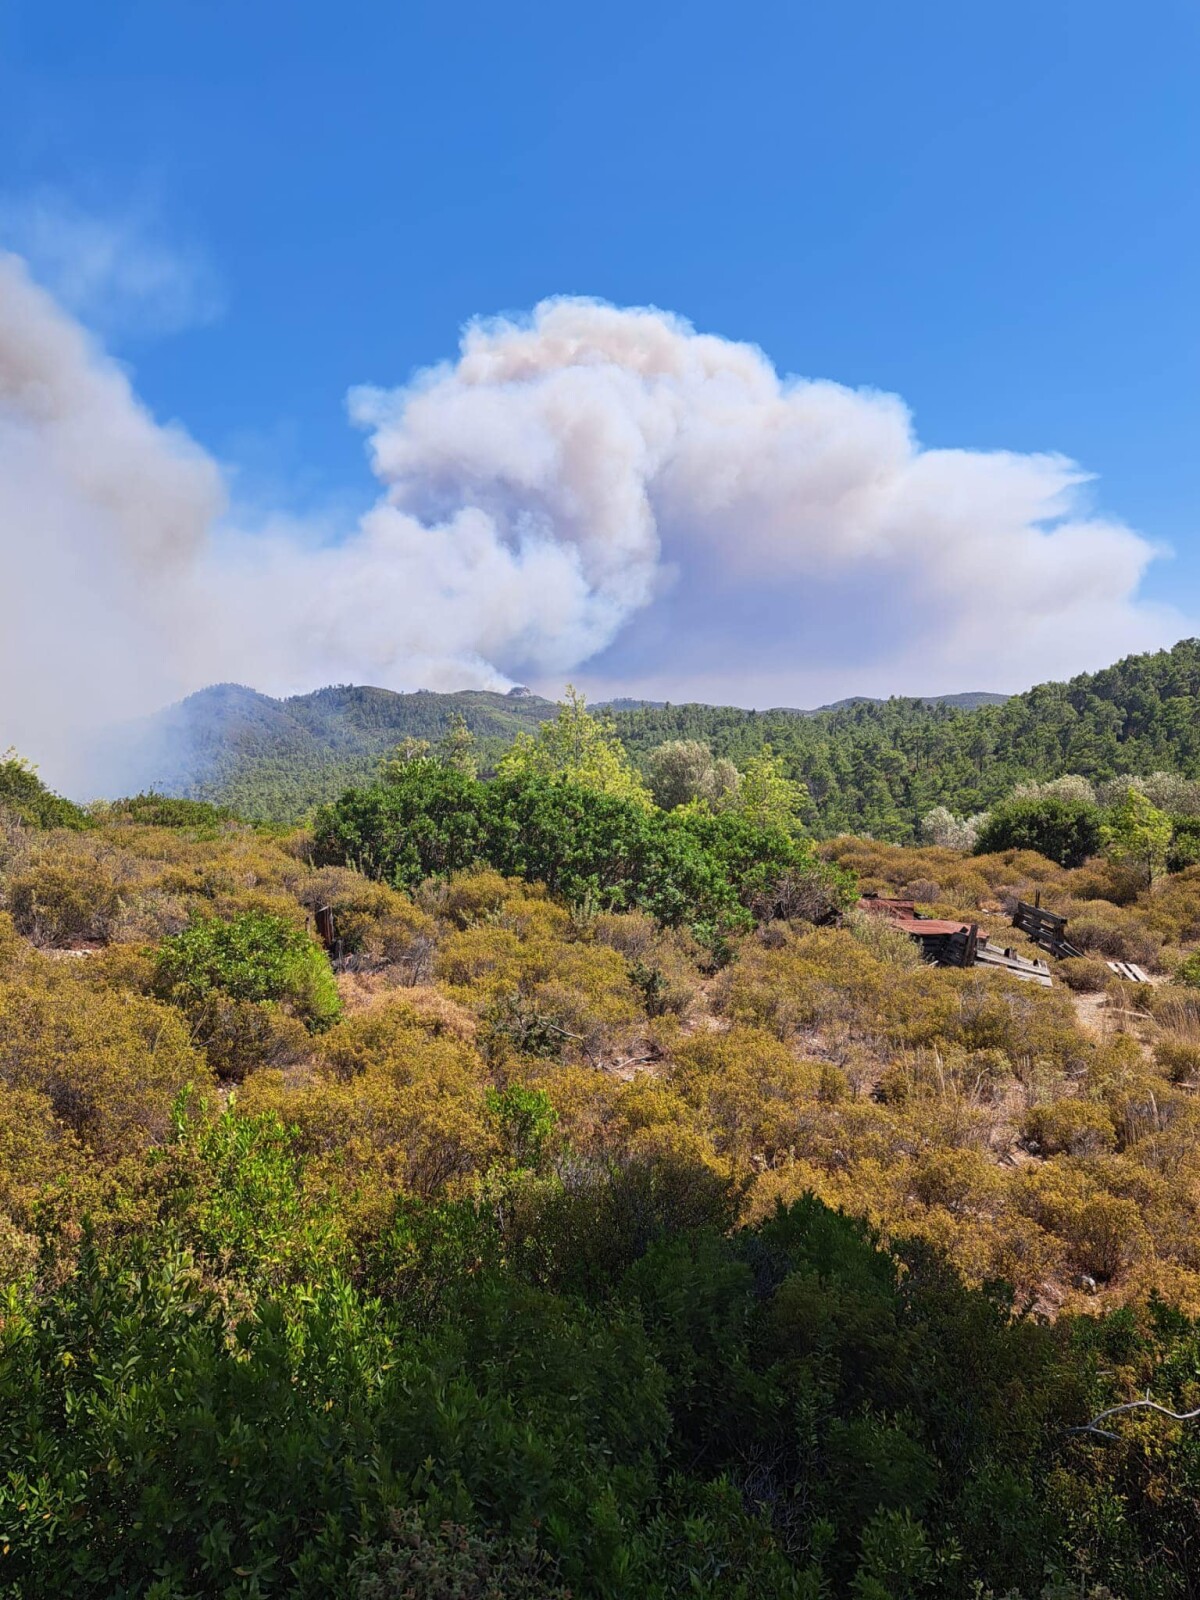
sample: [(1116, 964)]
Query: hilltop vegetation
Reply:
[(879, 768), (627, 1217), (868, 766), (25, 798), (277, 759)]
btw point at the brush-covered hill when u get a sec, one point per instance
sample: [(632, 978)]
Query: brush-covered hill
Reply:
[(878, 767), (276, 759), (870, 766)]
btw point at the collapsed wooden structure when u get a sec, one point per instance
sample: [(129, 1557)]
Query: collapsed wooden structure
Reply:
[(954, 944), (965, 944), (1049, 931), (1045, 928)]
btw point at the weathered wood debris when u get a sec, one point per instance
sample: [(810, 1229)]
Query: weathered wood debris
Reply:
[(954, 944), (1049, 930), (1045, 928), (1129, 970)]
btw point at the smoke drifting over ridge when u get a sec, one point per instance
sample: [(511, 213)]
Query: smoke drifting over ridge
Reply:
[(593, 485)]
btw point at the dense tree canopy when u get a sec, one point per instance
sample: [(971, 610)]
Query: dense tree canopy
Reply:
[(874, 766), (1067, 831), (694, 868)]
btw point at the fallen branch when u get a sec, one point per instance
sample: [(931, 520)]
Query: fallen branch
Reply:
[(1133, 1405), (633, 1061)]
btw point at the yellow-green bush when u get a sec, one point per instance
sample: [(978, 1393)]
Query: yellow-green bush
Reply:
[(64, 901), (1071, 1127), (109, 1063)]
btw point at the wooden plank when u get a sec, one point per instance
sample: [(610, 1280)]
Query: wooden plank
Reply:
[(1128, 970)]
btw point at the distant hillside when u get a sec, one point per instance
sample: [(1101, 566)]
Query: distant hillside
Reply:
[(970, 701), (870, 765), (878, 766), (275, 759)]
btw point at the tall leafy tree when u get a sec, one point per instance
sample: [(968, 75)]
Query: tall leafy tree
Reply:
[(1138, 834), (581, 748)]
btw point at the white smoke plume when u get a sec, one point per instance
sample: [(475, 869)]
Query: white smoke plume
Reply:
[(592, 488)]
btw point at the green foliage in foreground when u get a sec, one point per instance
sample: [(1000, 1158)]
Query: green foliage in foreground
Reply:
[(25, 796), (253, 957), (580, 1384), (689, 868)]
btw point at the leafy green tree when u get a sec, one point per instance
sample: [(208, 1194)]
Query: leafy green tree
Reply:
[(684, 867), (397, 762), (253, 957), (425, 821), (1064, 830), (1137, 834), (458, 748), (580, 748), (1185, 843), (766, 796)]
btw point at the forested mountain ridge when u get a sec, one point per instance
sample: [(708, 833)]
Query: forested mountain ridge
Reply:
[(878, 767), (276, 759), (873, 766)]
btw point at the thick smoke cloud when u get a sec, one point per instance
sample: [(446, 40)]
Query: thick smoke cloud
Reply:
[(594, 488)]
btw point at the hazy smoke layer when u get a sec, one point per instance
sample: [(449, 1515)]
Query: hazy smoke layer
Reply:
[(596, 485)]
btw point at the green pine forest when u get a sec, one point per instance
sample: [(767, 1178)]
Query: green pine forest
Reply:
[(868, 766)]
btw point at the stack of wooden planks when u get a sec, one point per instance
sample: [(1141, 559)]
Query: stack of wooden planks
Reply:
[(954, 944)]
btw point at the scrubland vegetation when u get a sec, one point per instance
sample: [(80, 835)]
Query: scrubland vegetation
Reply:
[(627, 1216)]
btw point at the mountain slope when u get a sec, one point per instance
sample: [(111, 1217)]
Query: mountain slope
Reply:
[(879, 766), (276, 759), (874, 766)]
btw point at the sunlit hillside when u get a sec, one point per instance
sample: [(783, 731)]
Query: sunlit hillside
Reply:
[(574, 1192)]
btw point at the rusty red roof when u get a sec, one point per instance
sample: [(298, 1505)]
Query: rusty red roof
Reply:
[(903, 914)]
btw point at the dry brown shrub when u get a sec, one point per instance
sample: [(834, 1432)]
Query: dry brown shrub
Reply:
[(1176, 1008), (442, 1016), (149, 915), (1101, 880), (1070, 1127), (60, 901), (1104, 1234), (633, 933), (244, 1036), (10, 944), (1084, 974), (396, 1099), (884, 942), (110, 1063), (1118, 936), (1178, 1059), (1171, 909), (15, 840)]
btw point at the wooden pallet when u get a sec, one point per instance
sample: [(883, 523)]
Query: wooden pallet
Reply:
[(1128, 970), (1045, 928)]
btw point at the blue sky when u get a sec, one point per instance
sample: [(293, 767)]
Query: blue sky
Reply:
[(992, 211)]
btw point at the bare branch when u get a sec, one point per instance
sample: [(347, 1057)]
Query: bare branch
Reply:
[(1133, 1405)]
